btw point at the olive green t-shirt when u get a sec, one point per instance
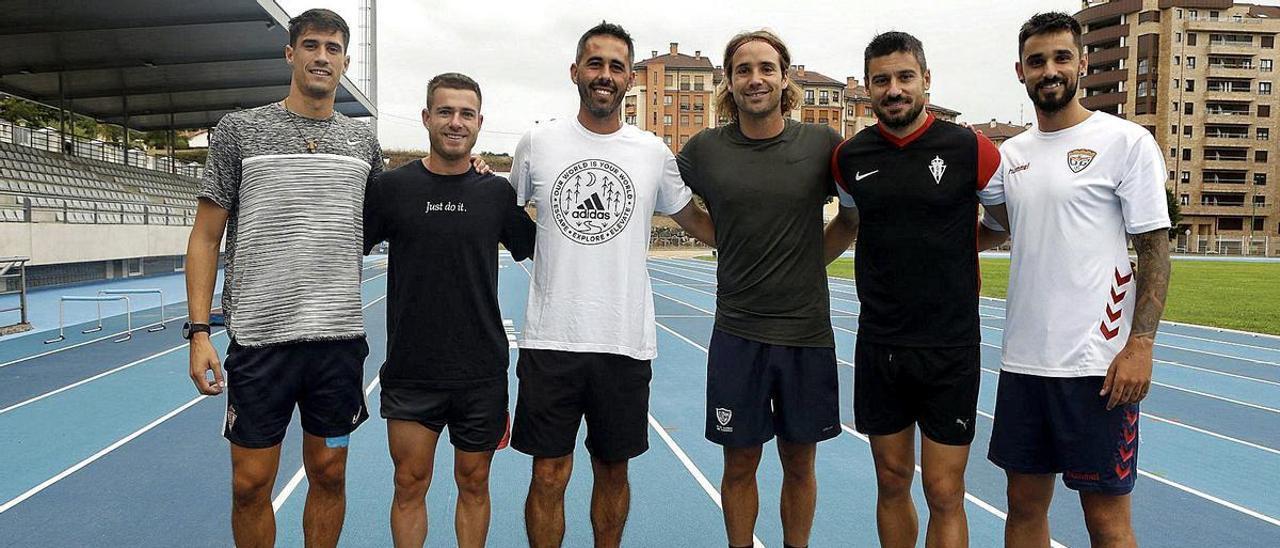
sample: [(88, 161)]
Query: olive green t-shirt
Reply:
[(765, 197)]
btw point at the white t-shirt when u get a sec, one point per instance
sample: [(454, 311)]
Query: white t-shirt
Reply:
[(595, 196), (1073, 195)]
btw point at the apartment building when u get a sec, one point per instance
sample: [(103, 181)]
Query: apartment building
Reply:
[(672, 96), (1198, 74), (820, 98)]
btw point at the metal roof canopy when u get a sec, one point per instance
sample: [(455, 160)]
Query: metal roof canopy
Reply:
[(146, 61)]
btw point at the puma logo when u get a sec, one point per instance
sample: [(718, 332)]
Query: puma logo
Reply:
[(963, 423)]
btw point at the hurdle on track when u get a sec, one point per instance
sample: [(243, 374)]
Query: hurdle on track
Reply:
[(62, 302), (151, 329)]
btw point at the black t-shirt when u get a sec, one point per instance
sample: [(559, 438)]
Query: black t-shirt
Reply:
[(765, 197), (916, 260), (443, 323)]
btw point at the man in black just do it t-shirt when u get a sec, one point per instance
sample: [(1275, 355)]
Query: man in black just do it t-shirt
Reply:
[(447, 351)]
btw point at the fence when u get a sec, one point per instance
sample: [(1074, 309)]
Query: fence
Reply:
[(1254, 246), (52, 140)]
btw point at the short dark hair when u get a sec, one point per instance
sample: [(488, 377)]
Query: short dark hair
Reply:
[(452, 80), (606, 28), (318, 19), (889, 43), (1050, 22)]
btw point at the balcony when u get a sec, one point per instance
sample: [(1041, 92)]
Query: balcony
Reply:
[(1109, 34), (1104, 78), (1221, 94), (1244, 72), (1224, 24), (1219, 209), (1108, 56), (1104, 100), (1227, 117), (1108, 10), (1232, 46)]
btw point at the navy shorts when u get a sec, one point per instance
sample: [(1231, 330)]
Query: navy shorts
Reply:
[(559, 389), (1051, 425), (895, 387), (323, 379), (757, 390), (476, 415)]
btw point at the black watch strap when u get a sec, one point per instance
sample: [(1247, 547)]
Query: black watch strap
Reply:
[(190, 329)]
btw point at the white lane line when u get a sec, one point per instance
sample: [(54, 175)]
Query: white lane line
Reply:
[(968, 496), (1191, 490), (1172, 363), (684, 459), (99, 376), (126, 366), (79, 344), (301, 473), (691, 467), (77, 466), (105, 337), (996, 372), (91, 459)]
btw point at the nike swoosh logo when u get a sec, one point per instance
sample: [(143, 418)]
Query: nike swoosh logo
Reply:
[(353, 143), (861, 176)]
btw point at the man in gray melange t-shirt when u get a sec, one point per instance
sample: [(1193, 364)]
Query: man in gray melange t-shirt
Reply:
[(286, 182)]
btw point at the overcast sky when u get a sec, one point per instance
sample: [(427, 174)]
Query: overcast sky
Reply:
[(520, 51)]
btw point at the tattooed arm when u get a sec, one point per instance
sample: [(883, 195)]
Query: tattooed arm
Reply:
[(1129, 376)]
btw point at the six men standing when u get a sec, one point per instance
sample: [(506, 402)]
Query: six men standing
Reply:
[(909, 189)]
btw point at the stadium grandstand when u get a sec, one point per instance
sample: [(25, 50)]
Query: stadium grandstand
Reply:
[(81, 198)]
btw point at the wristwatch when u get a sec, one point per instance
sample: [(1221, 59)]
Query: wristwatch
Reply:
[(189, 329)]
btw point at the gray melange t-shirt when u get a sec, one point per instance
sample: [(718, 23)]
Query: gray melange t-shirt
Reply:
[(294, 234), (765, 197)]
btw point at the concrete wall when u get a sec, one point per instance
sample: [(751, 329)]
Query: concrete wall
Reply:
[(55, 243)]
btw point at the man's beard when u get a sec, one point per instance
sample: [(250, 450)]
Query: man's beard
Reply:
[(587, 96), (898, 122), (1052, 105)]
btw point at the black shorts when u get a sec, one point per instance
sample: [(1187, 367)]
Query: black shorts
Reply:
[(937, 388), (557, 389), (1050, 425), (476, 416), (324, 379), (757, 390)]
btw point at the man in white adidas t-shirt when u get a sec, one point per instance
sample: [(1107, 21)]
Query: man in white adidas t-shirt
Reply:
[(1081, 321), (589, 331)]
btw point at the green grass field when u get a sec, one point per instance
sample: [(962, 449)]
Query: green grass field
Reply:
[(1233, 295)]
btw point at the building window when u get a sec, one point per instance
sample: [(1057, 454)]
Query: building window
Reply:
[(631, 119), (1142, 89), (1264, 88), (670, 81), (1264, 134), (1186, 177), (1269, 41), (1186, 155), (1257, 221), (808, 97), (698, 120), (666, 120), (1264, 65), (684, 82), (1191, 40), (1173, 130), (697, 103), (835, 96), (1230, 223), (1260, 156), (684, 120), (699, 83), (1191, 60), (1177, 37), (1186, 131), (1173, 152), (822, 118), (1144, 66), (1191, 85), (684, 140), (1184, 199), (1261, 180), (666, 139), (1170, 175), (1188, 108), (1177, 60), (684, 102), (1176, 82), (1264, 111), (666, 100)]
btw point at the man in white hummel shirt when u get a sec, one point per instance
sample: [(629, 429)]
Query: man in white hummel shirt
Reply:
[(1081, 320)]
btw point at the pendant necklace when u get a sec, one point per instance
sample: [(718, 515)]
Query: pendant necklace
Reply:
[(312, 144)]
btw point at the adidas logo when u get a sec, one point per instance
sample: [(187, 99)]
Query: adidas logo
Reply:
[(591, 208)]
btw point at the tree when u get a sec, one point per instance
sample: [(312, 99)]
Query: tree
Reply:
[(1175, 213)]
